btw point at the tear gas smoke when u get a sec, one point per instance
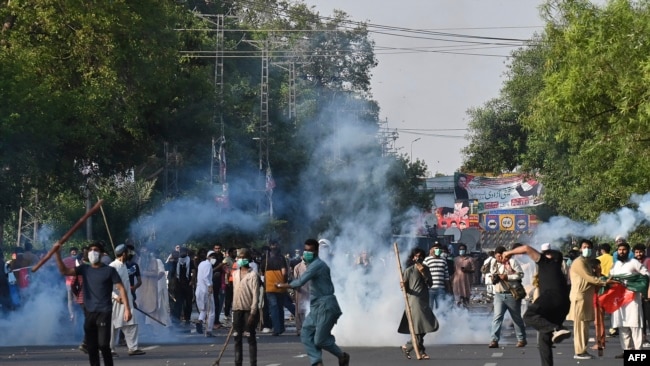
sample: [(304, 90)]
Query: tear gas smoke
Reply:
[(347, 180), (608, 225), (182, 219)]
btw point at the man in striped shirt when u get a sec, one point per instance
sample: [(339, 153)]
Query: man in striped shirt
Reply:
[(440, 275)]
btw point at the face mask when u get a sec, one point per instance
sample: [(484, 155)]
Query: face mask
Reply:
[(444, 255), (242, 262), (93, 257), (308, 257), (462, 252), (586, 252), (419, 260), (213, 261), (437, 252)]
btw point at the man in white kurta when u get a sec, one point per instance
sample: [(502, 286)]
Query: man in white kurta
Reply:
[(629, 318), (129, 328), (162, 308), (203, 294)]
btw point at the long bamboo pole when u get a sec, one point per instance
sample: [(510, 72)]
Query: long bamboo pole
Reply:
[(110, 237), (67, 235), (409, 317)]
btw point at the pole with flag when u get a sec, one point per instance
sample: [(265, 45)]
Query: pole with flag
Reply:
[(270, 185)]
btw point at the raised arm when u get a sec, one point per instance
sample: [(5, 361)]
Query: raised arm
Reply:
[(524, 249), (62, 267)]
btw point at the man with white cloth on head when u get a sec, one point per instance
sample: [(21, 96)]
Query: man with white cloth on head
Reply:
[(203, 294), (129, 328), (628, 318)]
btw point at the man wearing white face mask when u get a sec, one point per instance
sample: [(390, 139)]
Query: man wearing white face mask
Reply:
[(203, 294), (583, 286), (98, 280)]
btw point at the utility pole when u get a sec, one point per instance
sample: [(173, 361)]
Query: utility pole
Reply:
[(417, 139)]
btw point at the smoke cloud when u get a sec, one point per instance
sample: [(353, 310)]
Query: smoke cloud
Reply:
[(609, 225)]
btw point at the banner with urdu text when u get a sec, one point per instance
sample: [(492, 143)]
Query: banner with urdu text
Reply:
[(498, 193)]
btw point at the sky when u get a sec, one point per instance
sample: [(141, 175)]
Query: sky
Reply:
[(426, 95)]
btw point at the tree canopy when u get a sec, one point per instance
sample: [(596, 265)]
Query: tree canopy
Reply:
[(115, 86), (579, 95)]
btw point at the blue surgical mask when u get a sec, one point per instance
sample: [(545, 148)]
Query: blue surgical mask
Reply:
[(586, 252), (307, 256), (242, 262), (462, 252)]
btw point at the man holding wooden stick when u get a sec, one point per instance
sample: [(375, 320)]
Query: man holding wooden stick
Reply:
[(416, 280), (98, 280)]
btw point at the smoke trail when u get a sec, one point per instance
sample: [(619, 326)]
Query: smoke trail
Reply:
[(608, 225)]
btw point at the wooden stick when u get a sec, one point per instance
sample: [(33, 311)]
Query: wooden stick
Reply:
[(225, 345), (66, 236), (409, 317), (107, 229)]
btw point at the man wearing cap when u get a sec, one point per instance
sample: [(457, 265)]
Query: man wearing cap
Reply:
[(246, 306), (129, 328), (203, 294), (98, 280)]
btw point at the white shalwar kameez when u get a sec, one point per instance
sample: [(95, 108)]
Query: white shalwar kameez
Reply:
[(204, 299), (629, 318), (130, 328)]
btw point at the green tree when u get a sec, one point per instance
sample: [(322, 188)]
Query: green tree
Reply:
[(589, 122), (497, 140)]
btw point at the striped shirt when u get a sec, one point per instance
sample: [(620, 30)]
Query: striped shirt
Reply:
[(439, 273)]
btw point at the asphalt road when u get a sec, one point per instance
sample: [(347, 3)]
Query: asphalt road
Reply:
[(286, 350)]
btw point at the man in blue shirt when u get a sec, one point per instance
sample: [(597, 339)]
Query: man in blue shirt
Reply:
[(98, 281), (324, 311)]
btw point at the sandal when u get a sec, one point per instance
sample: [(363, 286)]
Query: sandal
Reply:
[(424, 356), (406, 352)]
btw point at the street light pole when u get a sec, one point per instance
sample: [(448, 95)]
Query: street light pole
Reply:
[(417, 139)]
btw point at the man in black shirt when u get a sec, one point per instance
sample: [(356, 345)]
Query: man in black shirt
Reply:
[(547, 313), (98, 280), (185, 273)]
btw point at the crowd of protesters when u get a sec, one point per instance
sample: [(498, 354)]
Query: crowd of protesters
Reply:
[(252, 290)]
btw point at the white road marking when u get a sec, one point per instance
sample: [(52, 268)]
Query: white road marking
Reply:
[(490, 364), (497, 354), (149, 348)]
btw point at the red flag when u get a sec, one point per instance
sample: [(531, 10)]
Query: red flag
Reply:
[(615, 297)]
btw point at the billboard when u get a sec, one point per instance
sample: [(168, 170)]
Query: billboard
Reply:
[(500, 193)]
